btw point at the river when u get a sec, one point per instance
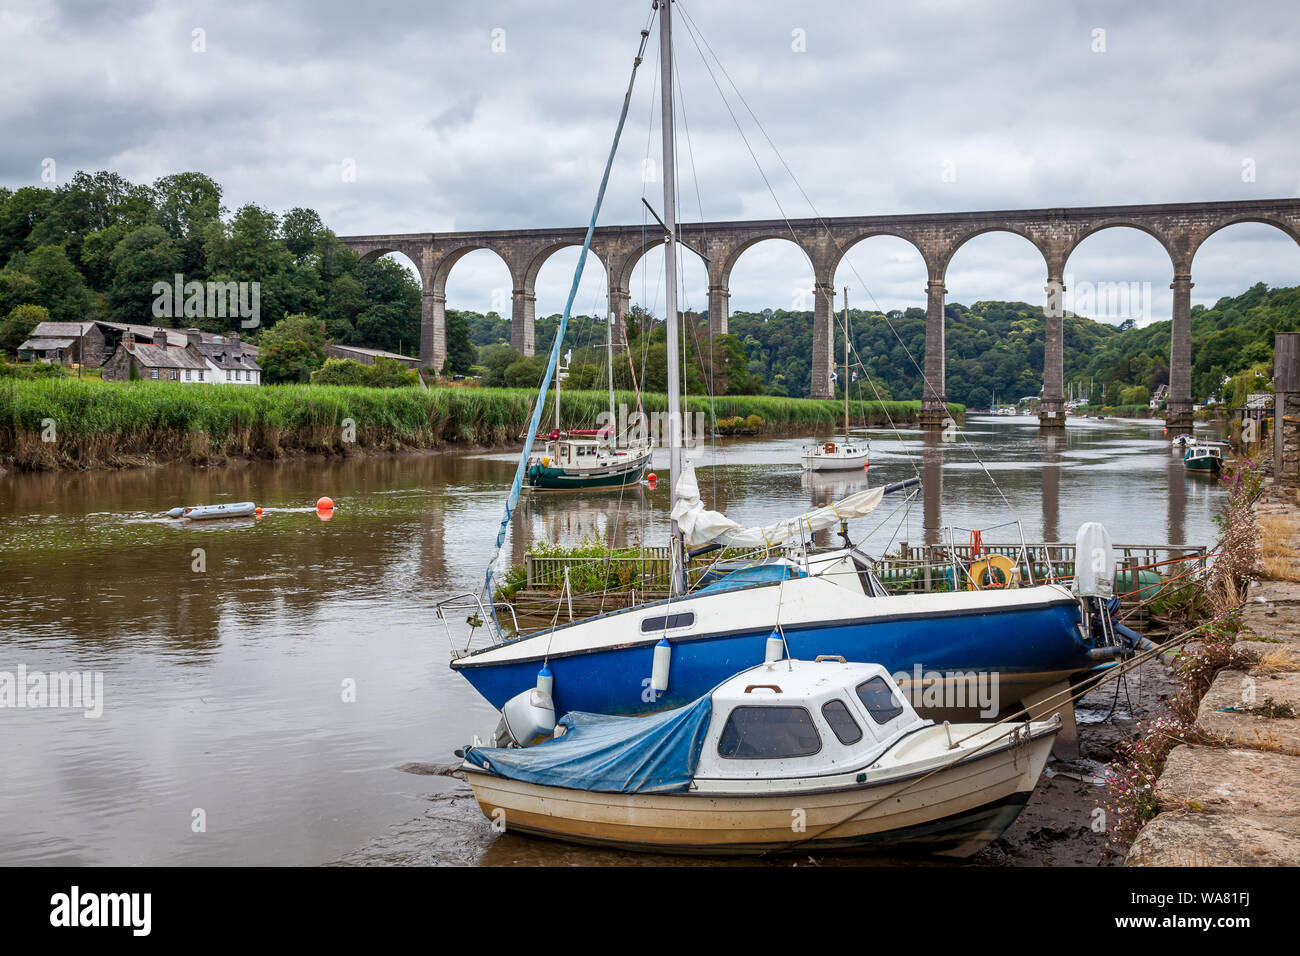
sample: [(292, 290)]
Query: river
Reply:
[(277, 691)]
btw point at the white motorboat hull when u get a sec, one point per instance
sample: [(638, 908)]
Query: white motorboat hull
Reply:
[(956, 811)]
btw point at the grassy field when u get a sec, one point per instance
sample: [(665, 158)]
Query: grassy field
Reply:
[(65, 423)]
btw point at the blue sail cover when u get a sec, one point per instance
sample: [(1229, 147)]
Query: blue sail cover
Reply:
[(655, 754), (757, 574)]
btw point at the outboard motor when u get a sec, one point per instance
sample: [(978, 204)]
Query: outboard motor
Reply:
[(1094, 586), (528, 718)]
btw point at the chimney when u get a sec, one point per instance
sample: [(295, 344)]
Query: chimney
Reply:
[(234, 338), (128, 340), (160, 338), (193, 337)]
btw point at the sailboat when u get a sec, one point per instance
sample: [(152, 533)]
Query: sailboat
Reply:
[(1028, 641), (848, 454), (588, 458)]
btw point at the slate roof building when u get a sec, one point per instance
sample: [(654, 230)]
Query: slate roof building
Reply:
[(67, 343), (229, 359), (155, 359), (367, 356)]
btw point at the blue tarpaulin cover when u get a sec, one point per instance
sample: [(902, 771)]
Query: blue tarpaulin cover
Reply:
[(757, 574), (654, 754)]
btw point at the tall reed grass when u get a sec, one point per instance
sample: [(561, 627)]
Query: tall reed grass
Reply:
[(67, 423)]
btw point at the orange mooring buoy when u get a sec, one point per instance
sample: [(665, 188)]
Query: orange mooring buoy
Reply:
[(325, 504), (652, 480)]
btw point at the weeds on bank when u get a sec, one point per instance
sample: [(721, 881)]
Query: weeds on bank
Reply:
[(1132, 776)]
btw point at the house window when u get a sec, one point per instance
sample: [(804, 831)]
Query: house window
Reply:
[(769, 733), (153, 373)]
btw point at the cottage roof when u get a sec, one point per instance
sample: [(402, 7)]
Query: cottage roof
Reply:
[(146, 332), (155, 356), (58, 330), (224, 355), (43, 344), (375, 353)]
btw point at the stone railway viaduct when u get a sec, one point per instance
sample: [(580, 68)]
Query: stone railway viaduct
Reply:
[(1180, 228)]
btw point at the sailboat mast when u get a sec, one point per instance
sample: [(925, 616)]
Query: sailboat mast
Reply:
[(609, 352), (670, 277), (846, 365)]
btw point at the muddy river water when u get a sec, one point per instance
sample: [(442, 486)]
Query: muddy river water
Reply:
[(277, 691)]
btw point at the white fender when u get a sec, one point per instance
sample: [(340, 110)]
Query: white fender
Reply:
[(662, 662)]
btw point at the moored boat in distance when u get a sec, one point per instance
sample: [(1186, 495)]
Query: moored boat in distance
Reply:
[(831, 744), (1208, 458), (833, 455), (582, 459)]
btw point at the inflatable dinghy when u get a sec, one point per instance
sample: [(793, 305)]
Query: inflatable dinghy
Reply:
[(239, 509)]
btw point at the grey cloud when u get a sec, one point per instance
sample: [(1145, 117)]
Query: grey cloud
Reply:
[(446, 133)]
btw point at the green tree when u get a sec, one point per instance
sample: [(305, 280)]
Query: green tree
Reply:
[(59, 286), (460, 353), (15, 288), (525, 372), (495, 359), (144, 257), (346, 301), (188, 205), (301, 230), (292, 349), (18, 325)]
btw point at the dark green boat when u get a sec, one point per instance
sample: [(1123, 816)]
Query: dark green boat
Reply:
[(578, 462), (1203, 458)]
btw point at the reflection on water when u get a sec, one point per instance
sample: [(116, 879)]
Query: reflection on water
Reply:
[(227, 679)]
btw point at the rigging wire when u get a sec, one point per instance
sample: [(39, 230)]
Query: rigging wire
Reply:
[(697, 38), (512, 498)]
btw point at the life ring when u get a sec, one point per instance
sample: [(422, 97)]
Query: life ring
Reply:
[(995, 571)]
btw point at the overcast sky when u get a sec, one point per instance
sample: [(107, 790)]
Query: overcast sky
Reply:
[(494, 114)]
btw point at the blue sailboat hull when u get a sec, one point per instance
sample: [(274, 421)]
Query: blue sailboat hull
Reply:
[(1029, 648)]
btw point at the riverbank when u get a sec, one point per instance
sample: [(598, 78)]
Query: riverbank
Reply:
[(1118, 411), (70, 424), (1229, 793)]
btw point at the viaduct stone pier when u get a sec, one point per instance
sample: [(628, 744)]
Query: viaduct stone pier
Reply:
[(1180, 228)]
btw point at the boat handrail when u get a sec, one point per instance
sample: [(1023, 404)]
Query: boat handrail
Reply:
[(471, 601)]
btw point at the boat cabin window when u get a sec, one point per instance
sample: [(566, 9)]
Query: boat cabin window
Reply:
[(667, 622), (768, 733), (879, 700), (842, 724), (871, 586)]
